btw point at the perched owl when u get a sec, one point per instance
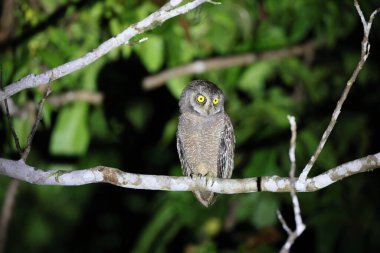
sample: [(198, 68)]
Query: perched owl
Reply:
[(205, 135)]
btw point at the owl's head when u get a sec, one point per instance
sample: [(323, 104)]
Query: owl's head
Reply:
[(202, 97)]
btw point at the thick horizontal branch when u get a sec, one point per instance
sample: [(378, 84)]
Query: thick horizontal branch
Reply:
[(201, 66), (101, 174), (169, 10)]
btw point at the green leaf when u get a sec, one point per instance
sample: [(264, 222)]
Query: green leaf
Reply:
[(46, 114), (222, 40), (115, 26), (38, 231), (138, 113), (247, 203), (169, 131), (50, 58), (22, 126), (263, 162), (70, 134), (151, 52), (176, 85), (157, 225), (270, 36), (206, 247), (254, 78), (265, 211), (89, 77), (98, 123)]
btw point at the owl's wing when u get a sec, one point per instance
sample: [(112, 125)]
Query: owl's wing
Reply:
[(226, 150), (181, 153)]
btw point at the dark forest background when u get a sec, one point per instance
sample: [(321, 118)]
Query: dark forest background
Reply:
[(134, 130)]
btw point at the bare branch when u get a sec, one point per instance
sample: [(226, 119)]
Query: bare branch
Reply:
[(10, 125), (201, 66), (364, 54), (26, 152), (300, 226), (283, 223), (101, 174), (9, 119), (91, 97), (168, 11)]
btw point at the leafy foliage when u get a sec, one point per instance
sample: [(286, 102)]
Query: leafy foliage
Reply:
[(135, 130)]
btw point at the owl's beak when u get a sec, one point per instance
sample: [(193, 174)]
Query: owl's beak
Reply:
[(209, 108)]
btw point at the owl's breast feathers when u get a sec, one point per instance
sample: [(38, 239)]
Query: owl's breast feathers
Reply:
[(201, 139)]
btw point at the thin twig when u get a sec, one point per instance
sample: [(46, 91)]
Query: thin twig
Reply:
[(300, 227), (364, 54), (283, 222), (28, 147), (9, 119), (200, 66), (11, 127)]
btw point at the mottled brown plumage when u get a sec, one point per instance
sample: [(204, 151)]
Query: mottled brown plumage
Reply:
[(205, 135)]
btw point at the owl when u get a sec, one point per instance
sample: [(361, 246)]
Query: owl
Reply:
[(205, 135)]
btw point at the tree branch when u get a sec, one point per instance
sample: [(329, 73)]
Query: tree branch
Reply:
[(102, 174), (28, 147), (350, 82), (91, 97), (300, 226), (200, 66), (169, 10)]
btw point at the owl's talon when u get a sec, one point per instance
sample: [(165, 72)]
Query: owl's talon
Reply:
[(209, 178)]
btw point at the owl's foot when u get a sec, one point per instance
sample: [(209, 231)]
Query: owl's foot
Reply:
[(195, 175), (207, 178)]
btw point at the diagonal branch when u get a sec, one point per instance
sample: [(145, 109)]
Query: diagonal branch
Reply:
[(28, 147), (364, 55), (102, 174), (169, 10), (200, 66)]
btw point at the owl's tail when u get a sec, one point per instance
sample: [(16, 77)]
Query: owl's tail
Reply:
[(206, 198)]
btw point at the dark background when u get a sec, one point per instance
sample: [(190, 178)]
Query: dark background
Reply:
[(134, 130)]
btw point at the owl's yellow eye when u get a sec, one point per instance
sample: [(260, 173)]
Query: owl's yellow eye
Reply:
[(215, 101), (201, 99)]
